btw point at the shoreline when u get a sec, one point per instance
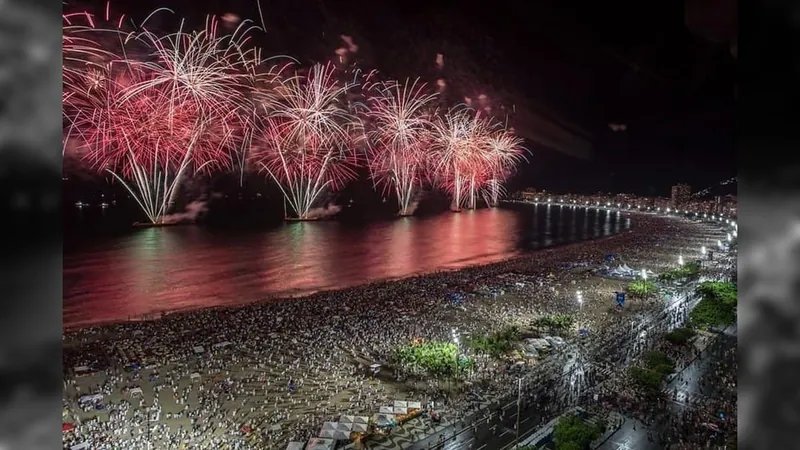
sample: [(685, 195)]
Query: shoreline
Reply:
[(516, 258)]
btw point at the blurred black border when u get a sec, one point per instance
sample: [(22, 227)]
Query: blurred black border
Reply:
[(768, 106), (30, 240), (768, 150)]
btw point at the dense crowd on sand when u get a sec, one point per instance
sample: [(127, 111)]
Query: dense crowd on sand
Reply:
[(261, 375)]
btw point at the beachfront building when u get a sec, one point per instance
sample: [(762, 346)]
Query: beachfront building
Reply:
[(680, 196)]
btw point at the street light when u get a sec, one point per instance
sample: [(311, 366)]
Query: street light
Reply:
[(519, 405), (455, 340)]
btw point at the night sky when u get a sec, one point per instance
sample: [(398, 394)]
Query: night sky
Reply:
[(662, 68)]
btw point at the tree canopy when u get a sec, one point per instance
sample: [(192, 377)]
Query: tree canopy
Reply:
[(642, 288), (717, 306), (433, 358), (657, 366), (573, 433), (680, 336), (555, 323), (496, 344), (687, 271)]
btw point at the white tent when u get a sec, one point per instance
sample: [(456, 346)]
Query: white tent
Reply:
[(295, 445), (329, 425), (347, 419), (345, 426), (400, 407), (320, 444), (341, 435), (361, 419), (327, 434), (414, 405), (90, 398), (383, 420), (360, 427), (386, 410)]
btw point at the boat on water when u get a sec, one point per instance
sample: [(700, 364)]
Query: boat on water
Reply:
[(155, 225), (298, 219)]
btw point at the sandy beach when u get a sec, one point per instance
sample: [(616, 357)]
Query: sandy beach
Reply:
[(278, 369)]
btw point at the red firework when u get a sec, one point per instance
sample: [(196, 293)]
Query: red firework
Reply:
[(400, 118), (461, 161), (307, 144)]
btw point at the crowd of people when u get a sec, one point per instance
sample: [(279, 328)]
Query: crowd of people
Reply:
[(677, 419), (265, 374)]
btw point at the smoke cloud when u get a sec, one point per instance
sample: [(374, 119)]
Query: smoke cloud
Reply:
[(191, 213), (323, 212)]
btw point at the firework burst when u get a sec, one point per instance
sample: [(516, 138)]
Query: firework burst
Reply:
[(461, 163), (153, 109), (307, 144), (400, 131), (153, 119), (505, 151)]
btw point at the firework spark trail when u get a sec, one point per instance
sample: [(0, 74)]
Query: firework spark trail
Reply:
[(461, 162), (155, 108), (400, 119), (156, 120), (306, 145), (505, 152), (208, 72), (472, 157)]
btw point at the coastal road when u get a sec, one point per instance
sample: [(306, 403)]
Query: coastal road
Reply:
[(497, 433), (633, 433)]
